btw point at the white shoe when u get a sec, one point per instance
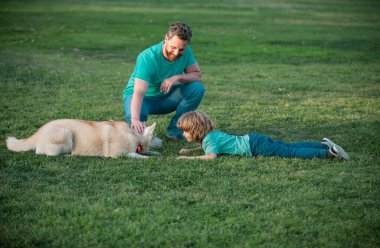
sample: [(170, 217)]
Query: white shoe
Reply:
[(338, 152), (328, 142)]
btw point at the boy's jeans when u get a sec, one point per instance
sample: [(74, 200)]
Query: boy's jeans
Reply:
[(265, 146)]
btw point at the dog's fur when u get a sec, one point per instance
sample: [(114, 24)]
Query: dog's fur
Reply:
[(87, 138)]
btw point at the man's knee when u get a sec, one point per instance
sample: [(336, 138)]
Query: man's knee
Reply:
[(194, 89)]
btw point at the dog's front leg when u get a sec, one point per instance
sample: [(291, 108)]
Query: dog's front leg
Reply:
[(135, 155), (151, 153)]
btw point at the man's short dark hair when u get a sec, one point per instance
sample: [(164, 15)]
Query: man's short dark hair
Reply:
[(181, 30)]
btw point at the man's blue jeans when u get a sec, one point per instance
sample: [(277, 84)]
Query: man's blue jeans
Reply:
[(265, 146), (181, 99)]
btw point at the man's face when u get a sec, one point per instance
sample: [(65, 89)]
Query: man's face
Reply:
[(174, 48)]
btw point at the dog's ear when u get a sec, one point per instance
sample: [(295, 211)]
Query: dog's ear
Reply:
[(154, 125), (150, 129)]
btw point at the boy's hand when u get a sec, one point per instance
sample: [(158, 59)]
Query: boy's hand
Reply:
[(184, 150)]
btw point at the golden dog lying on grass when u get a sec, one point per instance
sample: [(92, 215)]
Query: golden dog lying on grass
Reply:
[(88, 138)]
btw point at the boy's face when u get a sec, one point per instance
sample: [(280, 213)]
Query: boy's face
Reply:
[(188, 136)]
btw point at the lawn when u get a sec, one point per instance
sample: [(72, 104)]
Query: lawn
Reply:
[(296, 70)]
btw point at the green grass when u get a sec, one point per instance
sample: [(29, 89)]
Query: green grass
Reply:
[(296, 70)]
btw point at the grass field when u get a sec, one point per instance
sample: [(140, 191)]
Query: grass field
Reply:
[(297, 70)]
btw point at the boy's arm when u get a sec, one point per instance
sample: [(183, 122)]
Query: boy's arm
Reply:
[(204, 157), (187, 150)]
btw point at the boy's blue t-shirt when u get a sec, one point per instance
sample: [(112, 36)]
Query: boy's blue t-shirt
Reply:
[(222, 143), (152, 67)]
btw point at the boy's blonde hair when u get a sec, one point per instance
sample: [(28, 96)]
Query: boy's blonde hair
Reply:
[(197, 123)]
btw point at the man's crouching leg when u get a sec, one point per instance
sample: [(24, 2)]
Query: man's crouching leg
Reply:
[(191, 95)]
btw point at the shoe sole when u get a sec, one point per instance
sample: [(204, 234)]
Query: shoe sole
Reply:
[(341, 152)]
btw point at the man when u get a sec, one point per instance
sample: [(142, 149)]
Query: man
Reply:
[(166, 78)]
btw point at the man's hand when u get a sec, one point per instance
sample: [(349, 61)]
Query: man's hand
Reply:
[(138, 126), (168, 83)]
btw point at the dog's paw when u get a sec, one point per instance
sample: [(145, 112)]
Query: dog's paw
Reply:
[(151, 153), (135, 155)]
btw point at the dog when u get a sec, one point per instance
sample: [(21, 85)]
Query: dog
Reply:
[(88, 138)]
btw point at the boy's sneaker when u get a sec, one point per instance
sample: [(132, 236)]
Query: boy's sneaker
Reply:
[(328, 142), (338, 152)]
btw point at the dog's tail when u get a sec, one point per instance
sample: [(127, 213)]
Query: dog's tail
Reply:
[(21, 145)]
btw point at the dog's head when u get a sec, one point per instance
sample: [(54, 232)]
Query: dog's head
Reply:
[(147, 138)]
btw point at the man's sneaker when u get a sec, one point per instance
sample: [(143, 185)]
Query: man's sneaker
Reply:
[(178, 137), (338, 152)]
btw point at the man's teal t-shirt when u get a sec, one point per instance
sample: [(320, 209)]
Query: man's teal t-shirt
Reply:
[(152, 67), (222, 143)]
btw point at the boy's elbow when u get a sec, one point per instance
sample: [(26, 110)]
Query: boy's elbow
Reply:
[(212, 156)]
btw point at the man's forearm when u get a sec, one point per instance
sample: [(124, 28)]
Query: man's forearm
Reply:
[(136, 107), (190, 77)]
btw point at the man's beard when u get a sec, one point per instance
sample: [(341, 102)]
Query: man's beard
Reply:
[(170, 56)]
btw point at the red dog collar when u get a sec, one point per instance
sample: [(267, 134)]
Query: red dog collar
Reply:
[(139, 149)]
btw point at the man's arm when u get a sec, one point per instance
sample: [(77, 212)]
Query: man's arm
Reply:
[(192, 74), (139, 92)]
